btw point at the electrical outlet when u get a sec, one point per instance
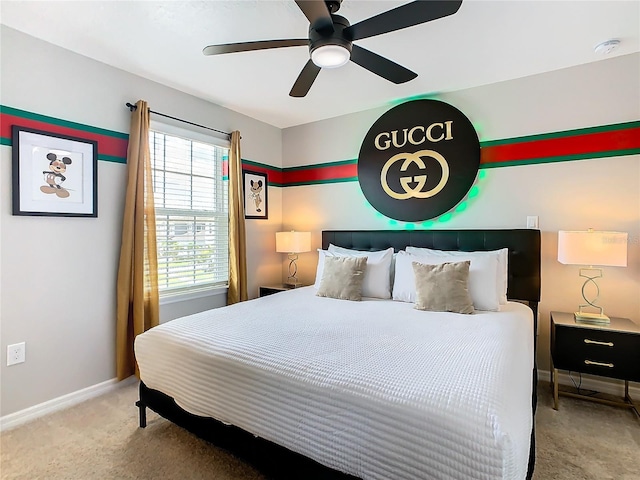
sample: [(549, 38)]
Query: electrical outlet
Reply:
[(532, 221), (15, 353)]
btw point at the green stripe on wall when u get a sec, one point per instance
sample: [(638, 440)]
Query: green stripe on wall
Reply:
[(261, 165), (111, 158), (63, 123)]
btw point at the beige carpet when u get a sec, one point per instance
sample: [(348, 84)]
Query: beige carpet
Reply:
[(100, 439), (585, 440)]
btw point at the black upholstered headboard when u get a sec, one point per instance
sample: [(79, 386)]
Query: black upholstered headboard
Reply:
[(523, 245)]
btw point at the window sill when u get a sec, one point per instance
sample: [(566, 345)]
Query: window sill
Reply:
[(185, 297)]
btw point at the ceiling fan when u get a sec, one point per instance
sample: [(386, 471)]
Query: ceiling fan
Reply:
[(331, 39)]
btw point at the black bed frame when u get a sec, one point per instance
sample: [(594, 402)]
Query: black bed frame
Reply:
[(277, 462)]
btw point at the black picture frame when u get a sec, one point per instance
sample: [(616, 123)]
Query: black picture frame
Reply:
[(256, 200), (53, 175)]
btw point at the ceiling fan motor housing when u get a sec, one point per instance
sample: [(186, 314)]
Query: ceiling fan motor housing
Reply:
[(319, 38), (333, 5)]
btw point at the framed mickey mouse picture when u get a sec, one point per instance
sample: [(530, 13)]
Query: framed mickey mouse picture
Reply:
[(256, 203), (54, 175)]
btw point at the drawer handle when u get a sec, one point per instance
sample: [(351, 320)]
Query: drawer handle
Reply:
[(595, 342), (599, 364)]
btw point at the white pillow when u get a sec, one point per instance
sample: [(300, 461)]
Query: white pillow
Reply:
[(482, 277), (377, 279), (503, 263), (341, 250), (320, 267), (345, 251)]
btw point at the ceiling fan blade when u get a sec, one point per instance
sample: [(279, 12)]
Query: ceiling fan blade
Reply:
[(404, 16), (305, 80), (381, 66), (317, 13), (249, 46)]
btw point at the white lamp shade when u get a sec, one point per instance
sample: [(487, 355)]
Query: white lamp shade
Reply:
[(293, 242), (592, 248)]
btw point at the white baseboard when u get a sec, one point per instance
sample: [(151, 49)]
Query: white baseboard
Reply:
[(590, 382), (23, 416)]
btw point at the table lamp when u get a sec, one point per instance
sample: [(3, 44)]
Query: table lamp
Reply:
[(293, 243), (592, 248)]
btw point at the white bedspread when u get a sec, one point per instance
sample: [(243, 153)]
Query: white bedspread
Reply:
[(375, 388)]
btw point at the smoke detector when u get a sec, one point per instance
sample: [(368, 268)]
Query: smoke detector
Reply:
[(605, 48)]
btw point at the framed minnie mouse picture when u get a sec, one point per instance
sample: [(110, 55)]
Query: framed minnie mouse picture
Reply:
[(53, 175), (256, 202)]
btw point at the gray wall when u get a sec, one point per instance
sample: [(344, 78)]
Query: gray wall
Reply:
[(59, 274)]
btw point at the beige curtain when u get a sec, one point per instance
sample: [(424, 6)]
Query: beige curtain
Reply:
[(137, 292), (237, 237)]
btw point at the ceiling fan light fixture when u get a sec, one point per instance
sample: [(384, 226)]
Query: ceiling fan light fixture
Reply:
[(330, 56)]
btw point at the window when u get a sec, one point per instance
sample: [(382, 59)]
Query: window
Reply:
[(192, 219)]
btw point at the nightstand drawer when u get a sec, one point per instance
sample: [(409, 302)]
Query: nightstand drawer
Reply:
[(598, 352)]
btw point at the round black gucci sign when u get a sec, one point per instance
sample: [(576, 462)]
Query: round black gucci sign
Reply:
[(418, 160)]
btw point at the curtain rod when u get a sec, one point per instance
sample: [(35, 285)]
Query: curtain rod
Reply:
[(133, 107)]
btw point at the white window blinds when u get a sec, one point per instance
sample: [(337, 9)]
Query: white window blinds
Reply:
[(192, 220)]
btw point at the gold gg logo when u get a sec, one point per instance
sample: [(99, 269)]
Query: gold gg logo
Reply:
[(420, 180)]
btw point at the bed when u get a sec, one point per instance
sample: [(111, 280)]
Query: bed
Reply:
[(309, 387)]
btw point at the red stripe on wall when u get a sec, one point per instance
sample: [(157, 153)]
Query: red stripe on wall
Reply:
[(559, 147), (605, 141), (107, 145), (321, 173)]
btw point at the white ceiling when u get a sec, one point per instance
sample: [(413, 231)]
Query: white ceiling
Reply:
[(484, 42)]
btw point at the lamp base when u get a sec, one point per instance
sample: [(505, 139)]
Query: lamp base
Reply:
[(593, 318), (293, 282), (589, 317)]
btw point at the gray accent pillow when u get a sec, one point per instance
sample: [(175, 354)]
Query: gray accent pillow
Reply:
[(443, 288), (342, 278)]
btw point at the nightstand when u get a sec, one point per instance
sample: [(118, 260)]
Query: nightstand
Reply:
[(607, 350), (280, 287)]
